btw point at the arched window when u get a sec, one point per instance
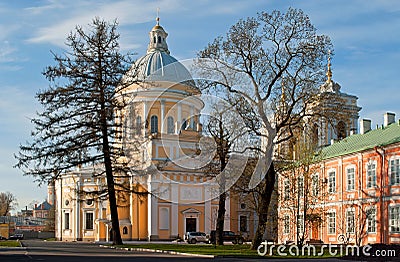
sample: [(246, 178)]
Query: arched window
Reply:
[(138, 125), (184, 124), (154, 40), (125, 231), (154, 124), (341, 130), (170, 125), (159, 39)]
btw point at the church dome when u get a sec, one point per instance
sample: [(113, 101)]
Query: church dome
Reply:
[(158, 64)]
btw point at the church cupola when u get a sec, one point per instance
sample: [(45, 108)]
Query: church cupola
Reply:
[(330, 85), (158, 39)]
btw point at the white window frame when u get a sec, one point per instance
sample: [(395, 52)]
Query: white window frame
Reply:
[(331, 229), (67, 220), (286, 224), (300, 186), (86, 220), (300, 223), (154, 124), (350, 178), (394, 171), (332, 181), (394, 219), (371, 220), (315, 184), (286, 189), (350, 220), (371, 174)]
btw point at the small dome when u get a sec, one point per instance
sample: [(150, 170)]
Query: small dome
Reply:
[(158, 64)]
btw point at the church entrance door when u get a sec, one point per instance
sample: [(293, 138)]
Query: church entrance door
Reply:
[(191, 224)]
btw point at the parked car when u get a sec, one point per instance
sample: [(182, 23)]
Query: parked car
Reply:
[(194, 237), (17, 237), (2, 238), (227, 236)]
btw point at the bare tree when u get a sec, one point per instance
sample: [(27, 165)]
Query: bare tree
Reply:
[(302, 190), (255, 58), (355, 221), (7, 203), (227, 135), (79, 124)]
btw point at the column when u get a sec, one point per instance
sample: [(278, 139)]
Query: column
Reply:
[(178, 121), (207, 209), (174, 210), (152, 209), (77, 212), (145, 113), (162, 116)]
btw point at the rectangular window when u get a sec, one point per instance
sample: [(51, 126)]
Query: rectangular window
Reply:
[(371, 220), (331, 223), (300, 224), (394, 219), (243, 223), (332, 182), (300, 185), (350, 221), (286, 191), (66, 220), (371, 175), (315, 185), (350, 178), (394, 167), (89, 220), (286, 224)]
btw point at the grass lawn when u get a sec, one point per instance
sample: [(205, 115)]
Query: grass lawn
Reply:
[(9, 243), (226, 250)]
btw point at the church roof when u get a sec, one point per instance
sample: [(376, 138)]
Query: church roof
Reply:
[(158, 64), (44, 206), (357, 143)]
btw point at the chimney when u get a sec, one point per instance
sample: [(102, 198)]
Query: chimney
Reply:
[(365, 126), (388, 118)]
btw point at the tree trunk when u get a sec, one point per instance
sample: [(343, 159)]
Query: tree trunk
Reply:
[(117, 240), (219, 230), (264, 201)]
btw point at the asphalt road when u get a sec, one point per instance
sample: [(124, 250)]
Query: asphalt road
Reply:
[(37, 250)]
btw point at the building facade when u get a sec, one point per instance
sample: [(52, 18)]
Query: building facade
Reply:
[(169, 194), (357, 184)]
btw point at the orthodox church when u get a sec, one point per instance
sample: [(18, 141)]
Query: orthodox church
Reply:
[(164, 117)]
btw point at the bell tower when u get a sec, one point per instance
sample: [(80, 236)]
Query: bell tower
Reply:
[(340, 112)]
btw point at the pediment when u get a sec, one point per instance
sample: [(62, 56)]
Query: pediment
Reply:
[(191, 211)]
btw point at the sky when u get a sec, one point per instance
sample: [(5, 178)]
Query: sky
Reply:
[(365, 35)]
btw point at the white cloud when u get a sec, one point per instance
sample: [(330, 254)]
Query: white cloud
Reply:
[(126, 12)]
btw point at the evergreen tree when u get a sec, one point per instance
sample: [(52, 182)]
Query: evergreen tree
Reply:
[(80, 124)]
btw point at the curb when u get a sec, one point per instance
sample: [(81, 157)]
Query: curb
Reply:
[(158, 251)]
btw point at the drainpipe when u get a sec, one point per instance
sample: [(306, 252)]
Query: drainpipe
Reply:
[(381, 152)]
